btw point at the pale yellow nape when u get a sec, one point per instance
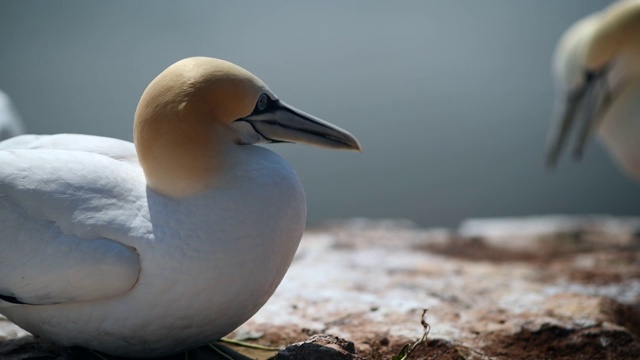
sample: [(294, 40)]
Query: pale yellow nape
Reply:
[(181, 129), (619, 30)]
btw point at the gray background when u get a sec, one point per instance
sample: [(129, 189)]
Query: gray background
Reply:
[(451, 100)]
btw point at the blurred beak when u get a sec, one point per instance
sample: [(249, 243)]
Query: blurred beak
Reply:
[(279, 122), (582, 108)]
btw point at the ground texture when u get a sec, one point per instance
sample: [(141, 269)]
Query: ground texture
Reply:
[(525, 288)]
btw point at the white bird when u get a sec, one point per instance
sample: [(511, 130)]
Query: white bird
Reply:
[(10, 123), (597, 72), (150, 250)]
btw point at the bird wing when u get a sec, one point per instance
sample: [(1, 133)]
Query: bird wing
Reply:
[(68, 219), (113, 148)]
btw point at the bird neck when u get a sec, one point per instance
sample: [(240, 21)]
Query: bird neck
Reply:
[(618, 33), (181, 161)]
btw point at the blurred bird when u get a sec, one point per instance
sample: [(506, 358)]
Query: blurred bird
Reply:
[(150, 250), (10, 123), (597, 74)]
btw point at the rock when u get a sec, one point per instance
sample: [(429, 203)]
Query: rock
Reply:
[(560, 287), (320, 347)]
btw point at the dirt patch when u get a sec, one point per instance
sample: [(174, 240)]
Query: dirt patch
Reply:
[(557, 342)]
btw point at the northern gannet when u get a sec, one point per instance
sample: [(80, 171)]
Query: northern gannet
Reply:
[(597, 72), (10, 123), (150, 249)]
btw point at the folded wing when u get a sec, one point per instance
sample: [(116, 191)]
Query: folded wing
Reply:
[(70, 220)]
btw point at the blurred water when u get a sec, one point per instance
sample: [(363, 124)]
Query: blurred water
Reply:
[(451, 100)]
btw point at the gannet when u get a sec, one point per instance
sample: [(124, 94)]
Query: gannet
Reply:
[(597, 73), (150, 249), (10, 123)]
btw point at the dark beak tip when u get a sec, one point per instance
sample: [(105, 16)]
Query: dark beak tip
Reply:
[(350, 142)]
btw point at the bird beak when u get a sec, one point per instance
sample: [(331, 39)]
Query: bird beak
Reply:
[(585, 107), (279, 122)]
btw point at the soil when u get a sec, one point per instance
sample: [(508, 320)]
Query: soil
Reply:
[(523, 288)]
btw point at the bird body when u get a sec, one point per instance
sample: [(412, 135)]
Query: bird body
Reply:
[(597, 72), (94, 254)]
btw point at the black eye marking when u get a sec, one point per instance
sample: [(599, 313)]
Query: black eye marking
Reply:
[(262, 103)]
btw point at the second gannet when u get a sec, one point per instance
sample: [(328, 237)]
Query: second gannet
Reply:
[(150, 249), (10, 123), (597, 72)]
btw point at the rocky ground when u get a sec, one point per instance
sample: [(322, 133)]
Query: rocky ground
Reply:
[(523, 288)]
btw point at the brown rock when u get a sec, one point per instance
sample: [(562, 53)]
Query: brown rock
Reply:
[(320, 347)]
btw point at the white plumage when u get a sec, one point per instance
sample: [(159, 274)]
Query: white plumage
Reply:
[(10, 123)]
